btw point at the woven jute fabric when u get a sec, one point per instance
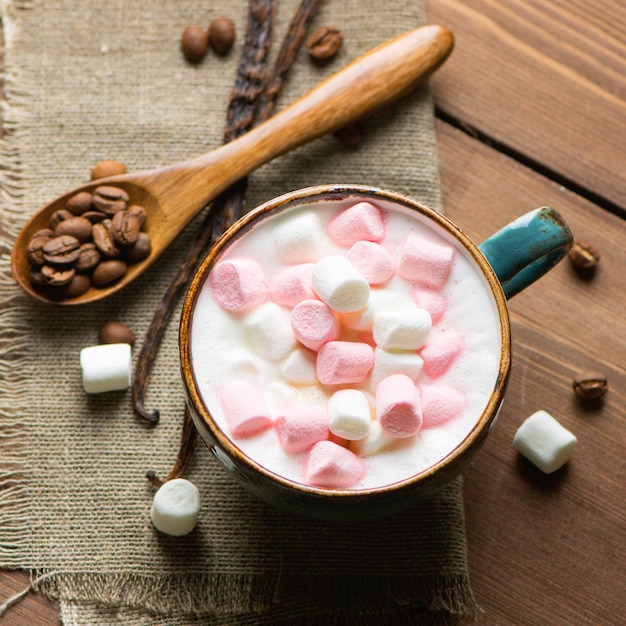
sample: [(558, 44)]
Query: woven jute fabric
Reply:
[(86, 81)]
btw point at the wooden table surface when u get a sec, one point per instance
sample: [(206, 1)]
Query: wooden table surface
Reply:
[(531, 110)]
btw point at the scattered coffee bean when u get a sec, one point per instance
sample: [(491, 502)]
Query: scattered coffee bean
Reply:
[(107, 168), (324, 44), (108, 272), (221, 34), (79, 203), (590, 385), (194, 43), (79, 227), (88, 243), (116, 332), (584, 256)]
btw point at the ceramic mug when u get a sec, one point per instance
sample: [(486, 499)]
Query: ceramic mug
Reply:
[(504, 264)]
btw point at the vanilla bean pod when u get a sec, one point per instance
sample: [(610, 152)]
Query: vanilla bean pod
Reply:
[(292, 43), (231, 204), (248, 85)]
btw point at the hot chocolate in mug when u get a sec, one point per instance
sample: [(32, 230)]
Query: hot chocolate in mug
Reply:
[(345, 349)]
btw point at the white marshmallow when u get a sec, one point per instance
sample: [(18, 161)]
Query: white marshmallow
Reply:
[(269, 330), (377, 440), (280, 396), (349, 414), (379, 300), (544, 442), (299, 367), (175, 507), (339, 284), (403, 329), (387, 362), (300, 238), (106, 367)]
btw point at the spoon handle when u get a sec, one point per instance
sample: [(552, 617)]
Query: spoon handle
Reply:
[(384, 74)]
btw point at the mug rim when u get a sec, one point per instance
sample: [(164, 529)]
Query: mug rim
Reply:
[(337, 192)]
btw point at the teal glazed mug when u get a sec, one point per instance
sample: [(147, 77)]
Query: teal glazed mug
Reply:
[(345, 349)]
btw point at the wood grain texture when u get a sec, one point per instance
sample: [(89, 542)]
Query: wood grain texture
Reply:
[(547, 549), (545, 77)]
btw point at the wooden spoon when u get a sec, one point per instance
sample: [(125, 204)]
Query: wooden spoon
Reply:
[(173, 195)]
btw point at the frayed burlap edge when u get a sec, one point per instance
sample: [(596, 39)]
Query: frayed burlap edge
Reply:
[(303, 600), (14, 330)]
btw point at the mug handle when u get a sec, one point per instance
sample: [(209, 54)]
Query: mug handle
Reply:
[(527, 248)]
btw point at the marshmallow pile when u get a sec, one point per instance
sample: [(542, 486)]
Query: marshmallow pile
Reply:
[(348, 314)]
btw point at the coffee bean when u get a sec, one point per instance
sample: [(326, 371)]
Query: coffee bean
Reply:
[(108, 272), (194, 43), (37, 279), (95, 217), (43, 232), (80, 235), (221, 34), (590, 385), (79, 285), (35, 249), (56, 276), (59, 216), (109, 199), (116, 332), (140, 250), (79, 227), (352, 134), (61, 251), (89, 257), (125, 228), (107, 168), (103, 239), (324, 44), (139, 212), (79, 203)]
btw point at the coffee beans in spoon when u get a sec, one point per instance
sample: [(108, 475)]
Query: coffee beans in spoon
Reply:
[(89, 243)]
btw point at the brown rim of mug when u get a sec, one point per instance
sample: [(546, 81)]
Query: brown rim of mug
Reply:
[(337, 193)]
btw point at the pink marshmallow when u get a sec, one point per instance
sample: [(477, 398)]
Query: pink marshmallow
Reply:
[(238, 285), (425, 261), (361, 222), (292, 285), (314, 324), (440, 405), (440, 352), (398, 406), (344, 362), (373, 261), (301, 427), (244, 407), (332, 466), (432, 301)]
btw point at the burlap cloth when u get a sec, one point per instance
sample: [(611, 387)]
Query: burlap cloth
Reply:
[(90, 80)]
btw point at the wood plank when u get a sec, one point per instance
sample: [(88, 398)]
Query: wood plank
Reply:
[(547, 549), (545, 77), (32, 609)]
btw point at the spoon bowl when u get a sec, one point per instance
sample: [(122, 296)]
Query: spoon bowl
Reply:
[(173, 195)]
